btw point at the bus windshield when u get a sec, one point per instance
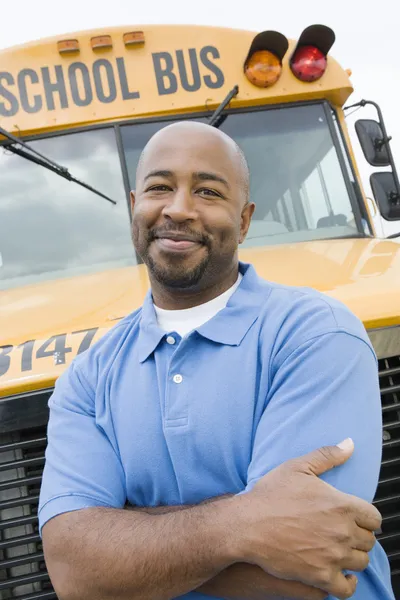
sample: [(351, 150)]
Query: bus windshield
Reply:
[(296, 178), (51, 228)]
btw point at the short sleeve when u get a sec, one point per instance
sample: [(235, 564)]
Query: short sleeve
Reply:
[(82, 468), (326, 390)]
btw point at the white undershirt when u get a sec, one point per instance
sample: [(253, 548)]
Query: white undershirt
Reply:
[(184, 321)]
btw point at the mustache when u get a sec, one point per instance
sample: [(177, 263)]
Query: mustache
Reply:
[(163, 231)]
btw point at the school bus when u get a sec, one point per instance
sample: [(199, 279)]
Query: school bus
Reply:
[(75, 112)]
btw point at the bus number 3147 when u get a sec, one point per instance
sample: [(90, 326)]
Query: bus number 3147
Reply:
[(56, 346)]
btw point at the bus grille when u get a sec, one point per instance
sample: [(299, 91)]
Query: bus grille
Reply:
[(22, 569), (387, 498)]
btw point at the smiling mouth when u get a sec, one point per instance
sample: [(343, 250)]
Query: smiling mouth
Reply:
[(177, 244)]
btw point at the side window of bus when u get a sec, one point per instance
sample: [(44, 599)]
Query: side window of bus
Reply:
[(296, 178)]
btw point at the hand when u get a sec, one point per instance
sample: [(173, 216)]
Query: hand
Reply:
[(297, 527)]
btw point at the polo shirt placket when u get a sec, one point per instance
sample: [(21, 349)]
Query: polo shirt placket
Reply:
[(177, 386)]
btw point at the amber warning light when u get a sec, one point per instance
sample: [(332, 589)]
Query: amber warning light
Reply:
[(263, 65), (263, 68)]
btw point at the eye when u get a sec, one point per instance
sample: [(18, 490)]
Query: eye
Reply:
[(209, 192), (158, 188)]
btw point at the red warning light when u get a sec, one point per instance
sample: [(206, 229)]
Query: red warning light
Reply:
[(308, 63)]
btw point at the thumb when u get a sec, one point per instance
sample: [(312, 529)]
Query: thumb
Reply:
[(326, 458)]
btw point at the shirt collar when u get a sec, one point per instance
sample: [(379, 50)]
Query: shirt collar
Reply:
[(229, 326), (150, 334)]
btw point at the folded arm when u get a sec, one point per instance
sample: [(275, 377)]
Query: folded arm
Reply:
[(244, 581), (323, 391)]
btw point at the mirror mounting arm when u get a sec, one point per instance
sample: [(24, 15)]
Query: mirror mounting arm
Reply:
[(394, 198), (378, 144)]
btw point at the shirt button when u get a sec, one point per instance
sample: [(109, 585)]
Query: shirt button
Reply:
[(177, 378), (170, 340)]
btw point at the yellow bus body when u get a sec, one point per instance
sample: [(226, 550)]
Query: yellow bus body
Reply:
[(40, 99), (360, 273)]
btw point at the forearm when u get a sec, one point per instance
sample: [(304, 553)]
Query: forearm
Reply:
[(236, 583), (126, 555), (242, 581), (166, 509), (249, 582)]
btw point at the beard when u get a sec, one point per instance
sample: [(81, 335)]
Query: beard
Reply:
[(175, 274), (171, 272)]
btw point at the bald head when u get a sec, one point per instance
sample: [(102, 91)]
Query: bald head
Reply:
[(190, 211), (192, 132)]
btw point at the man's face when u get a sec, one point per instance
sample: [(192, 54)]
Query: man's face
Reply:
[(189, 212)]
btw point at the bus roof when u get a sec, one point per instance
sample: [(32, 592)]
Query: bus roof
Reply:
[(120, 73)]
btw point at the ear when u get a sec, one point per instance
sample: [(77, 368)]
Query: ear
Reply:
[(247, 213), (132, 195)]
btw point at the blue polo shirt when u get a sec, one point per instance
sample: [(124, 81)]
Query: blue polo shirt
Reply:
[(154, 421)]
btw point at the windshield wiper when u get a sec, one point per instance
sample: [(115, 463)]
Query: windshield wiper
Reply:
[(217, 118), (394, 235), (39, 159)]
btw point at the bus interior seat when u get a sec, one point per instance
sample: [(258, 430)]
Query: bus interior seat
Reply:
[(332, 221)]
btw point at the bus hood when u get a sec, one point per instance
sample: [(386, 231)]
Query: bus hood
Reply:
[(44, 326)]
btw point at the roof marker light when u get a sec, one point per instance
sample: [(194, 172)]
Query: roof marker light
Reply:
[(101, 42), (133, 38), (68, 46)]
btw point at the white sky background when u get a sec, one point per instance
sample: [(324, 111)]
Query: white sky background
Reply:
[(367, 39)]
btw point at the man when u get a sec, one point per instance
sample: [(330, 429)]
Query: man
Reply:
[(199, 410)]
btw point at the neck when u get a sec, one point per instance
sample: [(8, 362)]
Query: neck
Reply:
[(182, 298)]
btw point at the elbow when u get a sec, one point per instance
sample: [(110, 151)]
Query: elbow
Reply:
[(65, 575), (69, 585), (66, 580), (65, 588)]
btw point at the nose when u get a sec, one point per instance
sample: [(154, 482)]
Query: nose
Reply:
[(181, 207)]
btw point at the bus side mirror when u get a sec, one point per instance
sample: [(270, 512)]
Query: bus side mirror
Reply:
[(375, 144), (371, 138), (385, 193)]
